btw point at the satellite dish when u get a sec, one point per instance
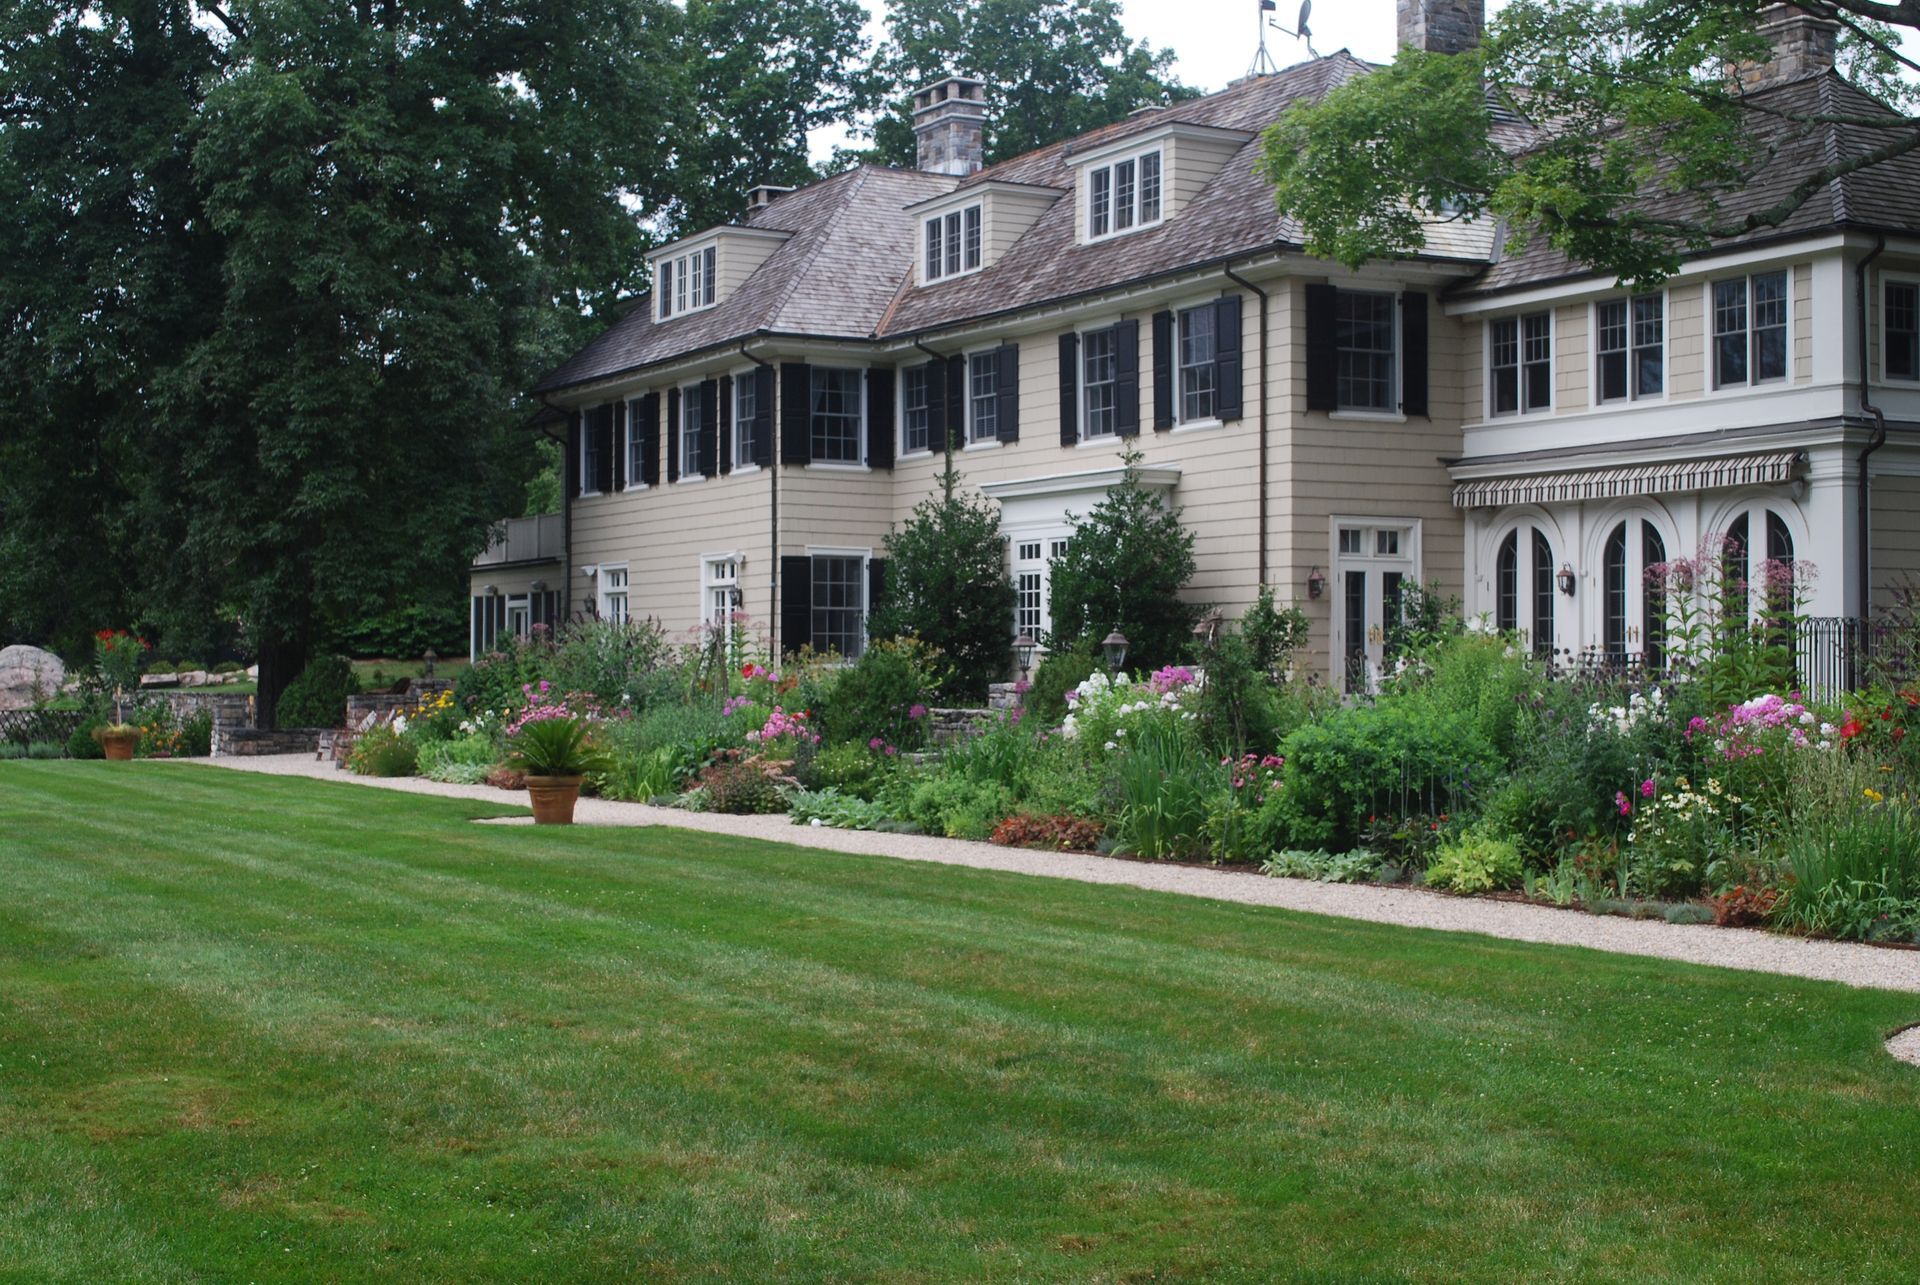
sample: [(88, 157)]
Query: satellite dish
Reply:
[(1300, 29), (1300, 26)]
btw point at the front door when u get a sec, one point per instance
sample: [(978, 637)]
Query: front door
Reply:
[(1372, 565)]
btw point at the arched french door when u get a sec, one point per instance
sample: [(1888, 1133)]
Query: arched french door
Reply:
[(1523, 587), (1633, 603), (1756, 535)]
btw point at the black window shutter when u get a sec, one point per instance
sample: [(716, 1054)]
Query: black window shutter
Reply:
[(1322, 358), (619, 445), (1069, 389), (796, 603), (796, 413), (937, 411), (673, 435), (572, 461), (1226, 357), (1163, 369), (1413, 362), (650, 439), (956, 377), (726, 423), (709, 428), (1007, 392), (1126, 378), (763, 416), (603, 450), (876, 583), (880, 417)]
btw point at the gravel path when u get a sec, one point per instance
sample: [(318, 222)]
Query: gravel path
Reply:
[(1852, 964)]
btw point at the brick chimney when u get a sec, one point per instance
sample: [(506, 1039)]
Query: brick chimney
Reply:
[(950, 126), (1803, 46), (1440, 26)]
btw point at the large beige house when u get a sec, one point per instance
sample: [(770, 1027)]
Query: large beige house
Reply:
[(1514, 428)]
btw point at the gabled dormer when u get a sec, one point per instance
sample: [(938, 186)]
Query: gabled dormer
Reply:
[(699, 272), (965, 230), (1145, 179)]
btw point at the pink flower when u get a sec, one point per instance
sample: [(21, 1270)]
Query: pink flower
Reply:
[(917, 712), (1620, 798), (875, 743), (1646, 788)]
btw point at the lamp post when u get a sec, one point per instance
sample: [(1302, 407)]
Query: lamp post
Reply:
[(1023, 649), (1114, 647)]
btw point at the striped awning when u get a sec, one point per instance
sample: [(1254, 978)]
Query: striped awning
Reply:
[(1674, 476)]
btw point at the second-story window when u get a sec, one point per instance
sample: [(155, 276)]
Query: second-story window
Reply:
[(1123, 195), (1520, 356), (953, 243), (1750, 330), (1198, 351), (983, 397), (685, 282), (691, 465), (1364, 350), (1902, 330), (836, 414), (746, 409), (1098, 380), (1630, 343), (916, 408)]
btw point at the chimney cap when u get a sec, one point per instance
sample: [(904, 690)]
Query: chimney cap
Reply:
[(950, 90), (765, 194)]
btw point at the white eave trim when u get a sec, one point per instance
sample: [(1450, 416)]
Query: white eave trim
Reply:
[(1147, 138), (1585, 288), (965, 194), (1159, 477), (714, 236)]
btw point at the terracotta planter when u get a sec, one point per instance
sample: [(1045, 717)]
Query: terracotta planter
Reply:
[(553, 798), (119, 745)]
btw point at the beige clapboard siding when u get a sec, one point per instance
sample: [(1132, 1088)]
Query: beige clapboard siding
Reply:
[(1572, 357), (1187, 166), (1005, 217), (1802, 323), (1686, 341), (662, 532), (1896, 535)]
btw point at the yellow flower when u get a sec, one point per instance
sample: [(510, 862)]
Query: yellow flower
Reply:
[(1874, 794)]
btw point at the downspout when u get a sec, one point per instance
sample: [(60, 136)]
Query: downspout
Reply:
[(1262, 294), (946, 423), (1879, 417), (566, 522), (773, 508)]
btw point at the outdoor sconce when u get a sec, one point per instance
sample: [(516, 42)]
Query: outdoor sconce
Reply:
[(1207, 632), (1023, 649), (538, 586), (1316, 583), (1565, 578), (1114, 647), (490, 591)]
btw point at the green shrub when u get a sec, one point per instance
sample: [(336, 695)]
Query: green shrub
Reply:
[(1274, 634), (318, 697), (692, 733), (957, 807), (1358, 866), (1001, 749), (196, 735), (641, 777), (1476, 863), (1060, 673), (228, 667), (82, 745), (741, 787), (462, 760), (829, 807), (563, 746), (381, 751), (1368, 761), (849, 768), (885, 694), (495, 681), (1164, 787), (615, 662), (1856, 872)]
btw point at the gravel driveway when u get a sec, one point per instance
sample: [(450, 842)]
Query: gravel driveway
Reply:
[(1850, 963)]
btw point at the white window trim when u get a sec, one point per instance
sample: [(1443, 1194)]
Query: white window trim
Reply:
[(1709, 379), (1180, 424), (862, 465), (580, 464), (1085, 212), (1593, 354), (600, 588), (866, 606), (690, 397), (739, 469), (930, 278), (661, 311), (708, 583), (1080, 384), (900, 448), (1398, 388), (968, 441), (1880, 328), (626, 444), (1553, 366)]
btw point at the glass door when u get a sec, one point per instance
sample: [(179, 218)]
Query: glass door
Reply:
[(1372, 566)]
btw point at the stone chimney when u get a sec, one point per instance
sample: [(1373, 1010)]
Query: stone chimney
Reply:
[(1440, 26), (1803, 45), (950, 126)]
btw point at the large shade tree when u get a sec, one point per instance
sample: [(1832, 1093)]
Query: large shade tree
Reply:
[(1571, 115)]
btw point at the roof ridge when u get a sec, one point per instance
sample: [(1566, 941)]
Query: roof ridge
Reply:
[(1837, 185), (805, 266)]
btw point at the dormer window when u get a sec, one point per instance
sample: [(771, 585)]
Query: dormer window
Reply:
[(1123, 195), (685, 282), (952, 243)]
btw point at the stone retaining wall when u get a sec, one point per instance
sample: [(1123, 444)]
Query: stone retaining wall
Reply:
[(251, 742), (385, 704)]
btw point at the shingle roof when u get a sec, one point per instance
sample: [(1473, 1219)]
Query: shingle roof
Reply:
[(1884, 196), (834, 277)]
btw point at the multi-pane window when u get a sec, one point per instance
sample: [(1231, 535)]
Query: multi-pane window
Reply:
[(1630, 340), (1386, 544), (1197, 354), (1350, 539), (613, 594), (720, 588), (1902, 330), (1124, 195), (953, 242), (1026, 612), (1750, 330), (1363, 349), (636, 427), (1531, 591), (691, 465), (746, 409), (590, 463), (685, 282), (916, 407), (983, 397), (839, 605), (1098, 383), (1520, 350), (836, 415)]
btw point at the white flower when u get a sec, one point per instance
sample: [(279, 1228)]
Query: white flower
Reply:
[(1120, 731), (1112, 746)]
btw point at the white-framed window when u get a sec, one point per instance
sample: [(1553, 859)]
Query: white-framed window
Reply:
[(635, 432), (1630, 348), (840, 603), (1900, 332), (1749, 317), (1123, 195), (1033, 559), (746, 408), (1197, 395), (691, 465), (952, 243), (1099, 383), (983, 396), (613, 594), (1523, 597), (685, 282), (838, 414), (719, 589), (1366, 373), (1520, 364), (916, 408), (596, 466)]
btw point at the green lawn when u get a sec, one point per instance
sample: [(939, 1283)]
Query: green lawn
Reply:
[(255, 1028)]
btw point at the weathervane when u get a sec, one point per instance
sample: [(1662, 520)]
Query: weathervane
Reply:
[(1263, 64)]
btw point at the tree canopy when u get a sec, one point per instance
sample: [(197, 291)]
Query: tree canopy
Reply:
[(1569, 116)]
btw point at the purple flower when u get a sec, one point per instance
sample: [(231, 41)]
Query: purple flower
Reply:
[(1620, 798), (875, 743), (917, 712), (1646, 788)]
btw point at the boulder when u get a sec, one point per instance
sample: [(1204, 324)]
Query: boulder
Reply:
[(28, 674), (194, 678)]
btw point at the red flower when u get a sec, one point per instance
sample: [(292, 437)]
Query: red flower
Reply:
[(105, 635), (1851, 728), (746, 670)]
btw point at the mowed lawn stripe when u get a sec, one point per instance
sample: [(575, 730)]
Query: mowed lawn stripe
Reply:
[(503, 1051)]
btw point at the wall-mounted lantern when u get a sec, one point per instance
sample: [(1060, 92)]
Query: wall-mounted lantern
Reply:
[(1565, 578), (1316, 583)]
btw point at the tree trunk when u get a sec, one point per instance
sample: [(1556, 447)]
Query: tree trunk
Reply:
[(280, 664)]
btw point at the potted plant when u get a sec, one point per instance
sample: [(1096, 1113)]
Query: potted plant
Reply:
[(556, 753), (118, 740)]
